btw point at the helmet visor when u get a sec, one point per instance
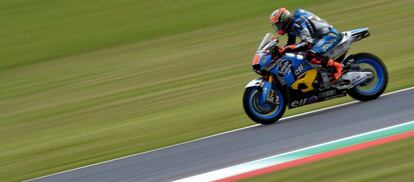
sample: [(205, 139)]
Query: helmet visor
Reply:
[(278, 26)]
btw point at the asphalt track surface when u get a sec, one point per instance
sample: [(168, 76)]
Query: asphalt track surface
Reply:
[(249, 144)]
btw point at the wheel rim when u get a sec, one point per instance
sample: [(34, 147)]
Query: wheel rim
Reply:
[(267, 111), (377, 82)]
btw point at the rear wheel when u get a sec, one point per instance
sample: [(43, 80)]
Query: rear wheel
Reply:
[(377, 85), (267, 113)]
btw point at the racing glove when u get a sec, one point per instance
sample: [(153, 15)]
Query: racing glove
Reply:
[(296, 47)]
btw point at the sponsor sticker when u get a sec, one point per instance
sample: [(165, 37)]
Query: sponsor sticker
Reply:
[(284, 68), (304, 101)]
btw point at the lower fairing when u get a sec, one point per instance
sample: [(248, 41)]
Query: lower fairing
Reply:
[(298, 98)]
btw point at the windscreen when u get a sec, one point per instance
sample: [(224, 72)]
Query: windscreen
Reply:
[(266, 39)]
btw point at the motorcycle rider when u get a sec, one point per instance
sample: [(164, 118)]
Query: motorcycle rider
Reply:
[(317, 36)]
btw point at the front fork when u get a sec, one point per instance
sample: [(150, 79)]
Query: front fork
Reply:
[(267, 95)]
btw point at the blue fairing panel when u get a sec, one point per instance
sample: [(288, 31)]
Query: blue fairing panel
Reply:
[(290, 67)]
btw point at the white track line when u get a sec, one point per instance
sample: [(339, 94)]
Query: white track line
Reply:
[(218, 134)]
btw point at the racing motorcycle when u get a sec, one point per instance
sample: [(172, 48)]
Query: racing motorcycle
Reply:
[(289, 80)]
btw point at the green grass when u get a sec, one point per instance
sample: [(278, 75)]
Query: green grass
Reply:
[(82, 82), (389, 162)]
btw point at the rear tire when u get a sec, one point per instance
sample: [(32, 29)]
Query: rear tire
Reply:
[(363, 93), (265, 115)]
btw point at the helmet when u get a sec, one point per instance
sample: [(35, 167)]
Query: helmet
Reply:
[(280, 20)]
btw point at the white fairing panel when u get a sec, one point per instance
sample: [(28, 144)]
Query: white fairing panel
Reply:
[(254, 83), (342, 47), (348, 38)]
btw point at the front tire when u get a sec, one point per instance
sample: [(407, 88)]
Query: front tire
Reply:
[(263, 114), (374, 88)]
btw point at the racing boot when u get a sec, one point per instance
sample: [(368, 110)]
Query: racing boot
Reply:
[(338, 68)]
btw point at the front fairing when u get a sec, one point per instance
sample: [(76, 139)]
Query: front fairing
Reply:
[(263, 57), (261, 61)]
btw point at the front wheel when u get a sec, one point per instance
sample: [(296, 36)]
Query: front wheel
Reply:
[(267, 113), (377, 85)]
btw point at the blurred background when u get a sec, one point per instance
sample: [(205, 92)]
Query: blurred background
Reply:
[(87, 81)]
